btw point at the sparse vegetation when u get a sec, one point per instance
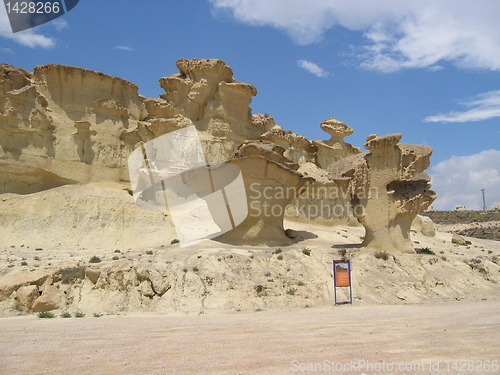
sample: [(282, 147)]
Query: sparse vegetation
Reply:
[(24, 263), (97, 315), (65, 315), (425, 250), (174, 241), (95, 259), (291, 291), (277, 251), (195, 269), (71, 274), (78, 314), (381, 255), (149, 252), (259, 288), (115, 257), (279, 257), (45, 315), (306, 251)]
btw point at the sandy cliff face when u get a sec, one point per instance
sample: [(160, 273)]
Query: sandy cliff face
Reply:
[(62, 125), (66, 125)]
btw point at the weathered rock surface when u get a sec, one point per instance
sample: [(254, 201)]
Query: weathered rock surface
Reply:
[(388, 188), (424, 225), (66, 125)]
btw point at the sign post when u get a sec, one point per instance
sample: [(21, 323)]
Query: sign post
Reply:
[(342, 278)]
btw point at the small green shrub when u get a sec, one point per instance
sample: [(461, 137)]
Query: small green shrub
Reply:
[(291, 291), (97, 315), (45, 315), (490, 251), (277, 251), (195, 269), (65, 315), (174, 241), (301, 283), (306, 251), (95, 259), (78, 314), (149, 252), (279, 257), (24, 263), (115, 257)]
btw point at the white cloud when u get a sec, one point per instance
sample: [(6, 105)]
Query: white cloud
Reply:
[(398, 34), (483, 107), (459, 180), (124, 48), (312, 68), (28, 38), (59, 24)]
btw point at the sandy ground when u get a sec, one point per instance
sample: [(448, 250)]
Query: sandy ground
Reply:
[(418, 337)]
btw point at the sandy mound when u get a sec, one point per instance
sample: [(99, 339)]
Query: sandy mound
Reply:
[(49, 238)]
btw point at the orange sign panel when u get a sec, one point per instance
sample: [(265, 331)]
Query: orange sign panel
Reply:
[(342, 274)]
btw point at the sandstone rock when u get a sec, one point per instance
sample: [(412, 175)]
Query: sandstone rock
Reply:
[(423, 225), (26, 296), (93, 274), (16, 279), (51, 299), (271, 182), (159, 284), (291, 233), (146, 289), (388, 188), (458, 240), (99, 120), (335, 148)]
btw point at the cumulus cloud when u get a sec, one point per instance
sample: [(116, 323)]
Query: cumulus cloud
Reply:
[(27, 38), (312, 68), (459, 180), (482, 107), (125, 48), (398, 34)]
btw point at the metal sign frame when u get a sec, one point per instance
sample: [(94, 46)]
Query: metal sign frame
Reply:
[(341, 278)]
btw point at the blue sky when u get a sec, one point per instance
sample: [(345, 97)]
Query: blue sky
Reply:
[(427, 69)]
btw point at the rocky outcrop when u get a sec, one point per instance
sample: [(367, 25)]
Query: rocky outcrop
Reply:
[(61, 125), (388, 188), (335, 148), (271, 183), (65, 125)]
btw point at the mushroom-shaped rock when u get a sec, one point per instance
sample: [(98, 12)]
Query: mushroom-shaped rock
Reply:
[(335, 148), (388, 188), (270, 186)]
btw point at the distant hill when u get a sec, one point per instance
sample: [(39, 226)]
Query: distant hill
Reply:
[(481, 224)]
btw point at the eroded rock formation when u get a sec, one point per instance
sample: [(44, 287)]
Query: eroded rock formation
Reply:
[(388, 188), (64, 125)]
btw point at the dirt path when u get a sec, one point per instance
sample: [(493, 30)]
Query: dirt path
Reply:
[(267, 342)]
